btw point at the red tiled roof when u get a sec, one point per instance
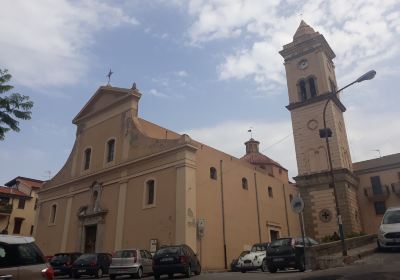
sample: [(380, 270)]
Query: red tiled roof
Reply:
[(260, 159), (12, 192), (29, 182)]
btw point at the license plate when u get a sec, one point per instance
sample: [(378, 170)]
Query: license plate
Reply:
[(279, 259), (166, 259), (82, 270)]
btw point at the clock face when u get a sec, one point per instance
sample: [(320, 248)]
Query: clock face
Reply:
[(303, 64)]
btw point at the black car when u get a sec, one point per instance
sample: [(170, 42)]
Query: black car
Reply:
[(95, 264), (175, 259), (287, 252), (62, 263)]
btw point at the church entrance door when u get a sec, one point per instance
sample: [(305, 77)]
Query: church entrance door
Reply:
[(90, 238)]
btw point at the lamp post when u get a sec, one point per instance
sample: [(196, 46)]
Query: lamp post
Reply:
[(326, 132)]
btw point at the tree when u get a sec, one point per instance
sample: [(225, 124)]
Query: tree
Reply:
[(12, 107)]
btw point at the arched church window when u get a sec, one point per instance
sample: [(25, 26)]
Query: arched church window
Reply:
[(53, 213), (313, 89), (213, 173), (303, 90), (333, 86), (88, 154), (245, 185), (150, 192), (110, 150), (270, 193)]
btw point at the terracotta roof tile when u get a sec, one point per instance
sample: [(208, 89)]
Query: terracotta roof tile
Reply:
[(12, 191)]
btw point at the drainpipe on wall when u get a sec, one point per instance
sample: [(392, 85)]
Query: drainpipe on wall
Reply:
[(286, 211), (258, 210), (223, 215)]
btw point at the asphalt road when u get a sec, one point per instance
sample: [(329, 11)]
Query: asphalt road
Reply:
[(380, 266)]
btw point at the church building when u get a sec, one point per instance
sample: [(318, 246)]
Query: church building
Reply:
[(129, 183)]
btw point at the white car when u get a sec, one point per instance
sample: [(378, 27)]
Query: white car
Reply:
[(254, 260), (389, 230), (20, 259)]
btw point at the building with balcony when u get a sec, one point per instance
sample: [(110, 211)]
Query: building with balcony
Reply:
[(18, 203), (379, 188)]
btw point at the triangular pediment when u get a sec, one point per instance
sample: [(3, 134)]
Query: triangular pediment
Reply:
[(105, 97)]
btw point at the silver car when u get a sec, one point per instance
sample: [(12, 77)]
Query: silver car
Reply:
[(20, 258), (133, 262), (389, 230)]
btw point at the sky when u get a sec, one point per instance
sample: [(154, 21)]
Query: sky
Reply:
[(210, 69)]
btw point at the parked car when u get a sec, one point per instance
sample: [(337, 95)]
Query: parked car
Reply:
[(255, 259), (62, 263), (175, 259), (288, 253), (94, 264), (234, 263), (389, 230), (133, 262), (20, 258)]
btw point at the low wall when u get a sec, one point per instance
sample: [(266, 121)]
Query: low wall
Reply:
[(331, 252)]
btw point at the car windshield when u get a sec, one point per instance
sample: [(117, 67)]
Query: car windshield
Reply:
[(60, 258), (87, 258), (125, 254), (258, 247), (392, 217), (281, 242), (244, 253), (168, 250)]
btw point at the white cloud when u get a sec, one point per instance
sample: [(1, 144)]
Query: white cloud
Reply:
[(276, 140), (182, 73), (156, 93), (44, 42), (361, 32)]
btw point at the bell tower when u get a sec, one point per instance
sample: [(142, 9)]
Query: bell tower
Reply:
[(311, 81)]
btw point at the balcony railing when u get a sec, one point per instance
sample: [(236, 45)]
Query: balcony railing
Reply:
[(5, 209), (377, 194), (396, 188)]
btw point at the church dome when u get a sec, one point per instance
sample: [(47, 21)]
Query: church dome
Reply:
[(254, 156)]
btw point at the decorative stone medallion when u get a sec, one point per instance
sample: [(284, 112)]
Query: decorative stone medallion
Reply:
[(312, 124), (325, 215)]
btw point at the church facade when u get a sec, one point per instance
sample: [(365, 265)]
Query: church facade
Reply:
[(129, 183), (364, 189)]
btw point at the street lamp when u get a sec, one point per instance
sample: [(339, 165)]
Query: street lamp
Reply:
[(326, 132)]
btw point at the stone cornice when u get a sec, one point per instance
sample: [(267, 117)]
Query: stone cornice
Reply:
[(318, 98)]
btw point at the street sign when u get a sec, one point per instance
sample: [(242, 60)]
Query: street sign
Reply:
[(297, 205)]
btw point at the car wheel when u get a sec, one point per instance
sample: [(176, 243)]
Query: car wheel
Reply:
[(188, 271), (264, 266), (301, 266), (272, 269), (99, 273), (243, 271), (198, 271), (139, 273), (112, 277)]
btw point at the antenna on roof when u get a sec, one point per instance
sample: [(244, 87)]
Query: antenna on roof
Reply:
[(379, 152)]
